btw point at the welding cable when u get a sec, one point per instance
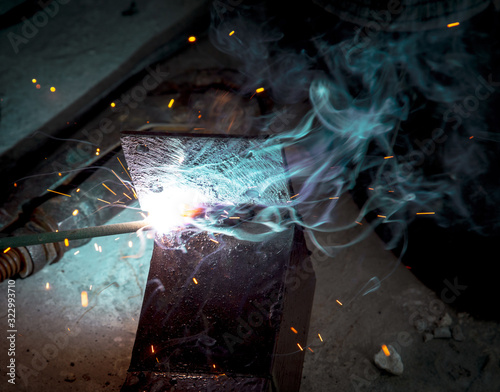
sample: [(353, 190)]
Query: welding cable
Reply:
[(76, 234)]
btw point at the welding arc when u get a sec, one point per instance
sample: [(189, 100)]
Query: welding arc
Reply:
[(76, 234)]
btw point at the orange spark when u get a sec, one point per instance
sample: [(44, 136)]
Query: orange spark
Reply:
[(123, 167), (192, 39), (371, 189), (231, 33), (38, 86), (359, 223), (15, 185), (293, 330), (472, 137), (105, 186), (6, 250), (104, 201), (259, 90), (33, 80), (59, 193), (381, 216), (75, 212), (301, 349), (171, 103), (453, 24), (333, 198), (117, 176), (52, 89), (47, 286), (130, 244), (294, 196), (189, 212), (340, 303), (78, 190), (60, 174), (66, 242), (310, 349), (214, 240), (152, 349), (127, 195), (195, 281), (425, 213), (85, 299), (386, 350), (389, 157), (234, 217), (320, 338), (113, 104)]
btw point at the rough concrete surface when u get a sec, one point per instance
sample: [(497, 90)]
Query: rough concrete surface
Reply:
[(353, 332)]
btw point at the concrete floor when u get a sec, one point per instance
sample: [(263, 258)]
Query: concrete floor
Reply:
[(63, 346)]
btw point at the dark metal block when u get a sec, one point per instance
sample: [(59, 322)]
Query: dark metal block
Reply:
[(218, 310)]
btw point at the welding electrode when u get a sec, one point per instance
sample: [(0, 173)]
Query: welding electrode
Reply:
[(16, 259)]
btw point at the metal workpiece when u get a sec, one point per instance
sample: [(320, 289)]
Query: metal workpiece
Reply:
[(224, 311), (180, 382), (221, 302)]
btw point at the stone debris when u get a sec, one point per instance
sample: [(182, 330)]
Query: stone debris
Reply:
[(68, 376), (457, 333), (442, 333), (392, 363), (428, 336), (445, 321)]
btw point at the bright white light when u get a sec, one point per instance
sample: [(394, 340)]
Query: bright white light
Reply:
[(172, 208)]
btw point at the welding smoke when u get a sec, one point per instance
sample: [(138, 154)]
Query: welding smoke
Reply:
[(394, 111)]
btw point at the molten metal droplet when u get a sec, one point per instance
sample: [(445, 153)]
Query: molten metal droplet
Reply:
[(85, 299)]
